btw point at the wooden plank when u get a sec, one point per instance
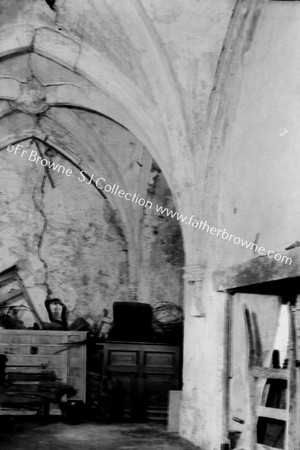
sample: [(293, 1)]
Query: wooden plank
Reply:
[(258, 271), (11, 295), (12, 274), (272, 413), (8, 274), (265, 447), (62, 334), (33, 368), (33, 360), (17, 412), (19, 398), (30, 303), (251, 429), (33, 338), (274, 374), (28, 350), (76, 364), (295, 394), (292, 429)]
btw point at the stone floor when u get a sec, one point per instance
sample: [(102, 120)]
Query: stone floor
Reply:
[(19, 435)]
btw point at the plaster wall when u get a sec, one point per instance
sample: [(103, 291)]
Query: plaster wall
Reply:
[(162, 257), (65, 240), (261, 162), (69, 241)]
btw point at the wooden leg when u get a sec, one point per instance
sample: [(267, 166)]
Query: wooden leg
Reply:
[(46, 407)]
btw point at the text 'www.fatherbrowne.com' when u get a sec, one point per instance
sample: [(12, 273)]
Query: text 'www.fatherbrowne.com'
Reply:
[(221, 232)]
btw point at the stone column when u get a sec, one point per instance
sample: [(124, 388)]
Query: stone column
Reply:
[(193, 277)]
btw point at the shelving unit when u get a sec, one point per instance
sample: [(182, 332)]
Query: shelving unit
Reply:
[(264, 276)]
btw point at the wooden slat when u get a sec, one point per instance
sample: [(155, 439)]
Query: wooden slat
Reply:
[(31, 360), (275, 374), (36, 337), (17, 412), (265, 447), (11, 275), (272, 413), (30, 303), (19, 398), (289, 415), (26, 350), (60, 371), (295, 385), (11, 295), (258, 271)]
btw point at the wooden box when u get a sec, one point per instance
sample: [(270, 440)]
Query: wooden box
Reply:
[(34, 351)]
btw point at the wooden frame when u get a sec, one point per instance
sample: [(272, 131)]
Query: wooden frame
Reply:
[(264, 276)]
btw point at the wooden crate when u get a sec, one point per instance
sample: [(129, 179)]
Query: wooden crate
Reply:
[(34, 351)]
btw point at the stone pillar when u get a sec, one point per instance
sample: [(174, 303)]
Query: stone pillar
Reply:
[(202, 401), (193, 277)]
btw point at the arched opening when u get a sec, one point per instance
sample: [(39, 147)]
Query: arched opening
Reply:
[(68, 239), (60, 197), (81, 241)]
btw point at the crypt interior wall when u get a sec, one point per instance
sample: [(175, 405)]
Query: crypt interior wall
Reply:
[(260, 166), (156, 67), (150, 66), (69, 241), (260, 187)]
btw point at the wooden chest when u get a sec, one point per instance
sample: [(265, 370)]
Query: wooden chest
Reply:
[(34, 351)]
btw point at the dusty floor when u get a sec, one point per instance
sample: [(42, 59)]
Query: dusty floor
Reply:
[(20, 435)]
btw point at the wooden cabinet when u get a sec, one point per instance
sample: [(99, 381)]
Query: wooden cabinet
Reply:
[(146, 371)]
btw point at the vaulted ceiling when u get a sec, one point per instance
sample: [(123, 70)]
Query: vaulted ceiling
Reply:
[(64, 66)]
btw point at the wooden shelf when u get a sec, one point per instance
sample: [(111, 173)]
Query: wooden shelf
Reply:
[(261, 275)]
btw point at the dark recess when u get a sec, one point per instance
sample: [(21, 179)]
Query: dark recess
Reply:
[(51, 4)]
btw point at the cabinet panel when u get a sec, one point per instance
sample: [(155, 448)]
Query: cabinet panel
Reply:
[(146, 371)]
